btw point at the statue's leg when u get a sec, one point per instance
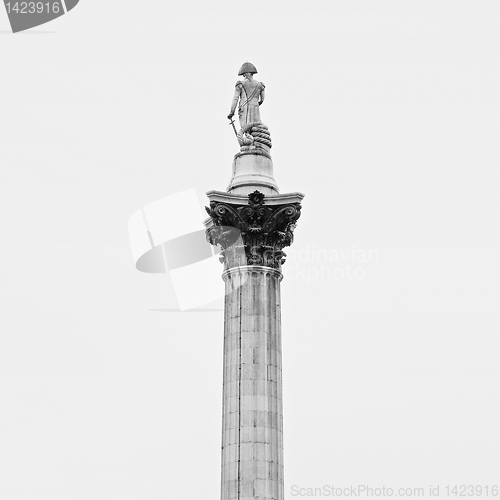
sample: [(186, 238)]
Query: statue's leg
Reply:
[(253, 113), (242, 115)]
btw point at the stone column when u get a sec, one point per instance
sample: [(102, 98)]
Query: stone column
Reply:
[(252, 432), (252, 231)]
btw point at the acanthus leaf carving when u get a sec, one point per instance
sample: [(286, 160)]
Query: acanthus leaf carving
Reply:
[(252, 234)]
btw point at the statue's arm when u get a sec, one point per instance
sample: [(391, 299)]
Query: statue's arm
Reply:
[(262, 93), (236, 98)]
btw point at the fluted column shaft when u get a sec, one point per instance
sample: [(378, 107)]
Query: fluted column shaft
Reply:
[(252, 421)]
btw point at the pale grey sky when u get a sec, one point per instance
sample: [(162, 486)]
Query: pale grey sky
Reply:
[(385, 114)]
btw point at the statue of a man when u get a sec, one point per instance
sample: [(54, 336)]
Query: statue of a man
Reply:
[(250, 95)]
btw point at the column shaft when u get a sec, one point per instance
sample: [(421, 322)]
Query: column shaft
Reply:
[(252, 425)]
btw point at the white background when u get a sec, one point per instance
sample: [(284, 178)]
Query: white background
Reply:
[(384, 113)]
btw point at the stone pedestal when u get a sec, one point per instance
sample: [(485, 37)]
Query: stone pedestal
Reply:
[(252, 224), (251, 172)]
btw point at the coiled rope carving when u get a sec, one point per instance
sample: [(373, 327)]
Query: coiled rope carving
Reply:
[(254, 135)]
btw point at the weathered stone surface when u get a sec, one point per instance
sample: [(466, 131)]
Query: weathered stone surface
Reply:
[(252, 434)]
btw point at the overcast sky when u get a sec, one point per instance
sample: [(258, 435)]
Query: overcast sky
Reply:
[(384, 113)]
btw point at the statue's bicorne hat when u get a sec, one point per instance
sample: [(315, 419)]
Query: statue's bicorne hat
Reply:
[(247, 67)]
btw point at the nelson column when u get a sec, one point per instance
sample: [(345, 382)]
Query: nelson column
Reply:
[(252, 223)]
